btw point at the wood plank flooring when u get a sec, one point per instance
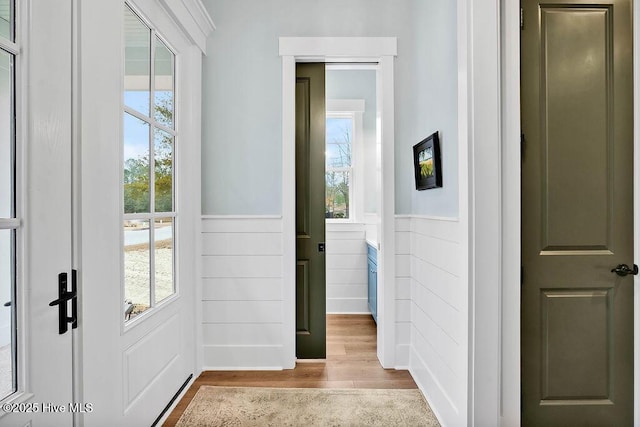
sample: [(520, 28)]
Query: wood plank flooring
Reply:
[(351, 363)]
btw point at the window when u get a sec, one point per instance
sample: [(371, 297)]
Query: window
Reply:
[(339, 165), (9, 221), (344, 198), (149, 139)]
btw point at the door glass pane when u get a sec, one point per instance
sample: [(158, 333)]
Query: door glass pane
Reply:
[(136, 165), (163, 153), (164, 258), (6, 135), (7, 327), (6, 19), (137, 267), (163, 69), (137, 63), (337, 194), (338, 135)]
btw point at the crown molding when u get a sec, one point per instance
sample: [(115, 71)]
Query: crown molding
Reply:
[(193, 18)]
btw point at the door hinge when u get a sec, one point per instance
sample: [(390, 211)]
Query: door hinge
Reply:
[(522, 146), (521, 275), (521, 18), (64, 296)]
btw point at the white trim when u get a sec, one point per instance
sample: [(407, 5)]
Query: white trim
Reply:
[(430, 217), (192, 18), (150, 120), (349, 312), (483, 206), (511, 244), (9, 224), (9, 46), (344, 106), (241, 216), (288, 212), (385, 118), (244, 368), (23, 110), (463, 56), (380, 50), (339, 49), (341, 66)]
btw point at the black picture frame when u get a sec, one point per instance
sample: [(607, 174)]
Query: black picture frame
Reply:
[(427, 163)]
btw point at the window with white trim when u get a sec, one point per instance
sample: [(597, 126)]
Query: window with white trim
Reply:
[(343, 139), (149, 140)]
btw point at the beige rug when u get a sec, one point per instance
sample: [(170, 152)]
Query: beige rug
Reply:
[(254, 406)]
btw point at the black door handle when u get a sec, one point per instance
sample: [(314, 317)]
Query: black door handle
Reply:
[(63, 297), (623, 270)]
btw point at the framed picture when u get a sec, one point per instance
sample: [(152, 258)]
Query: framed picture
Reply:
[(427, 163)]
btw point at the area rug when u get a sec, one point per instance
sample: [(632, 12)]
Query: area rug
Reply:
[(255, 406)]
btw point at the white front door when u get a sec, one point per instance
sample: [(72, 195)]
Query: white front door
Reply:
[(35, 212), (139, 208)]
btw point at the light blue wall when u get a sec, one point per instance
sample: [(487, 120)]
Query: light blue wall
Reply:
[(360, 84), (242, 120), (435, 104)]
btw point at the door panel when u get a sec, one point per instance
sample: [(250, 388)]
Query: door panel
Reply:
[(576, 60), (573, 344), (310, 212), (577, 213)]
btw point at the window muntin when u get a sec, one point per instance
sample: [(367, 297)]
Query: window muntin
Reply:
[(339, 166), (149, 138)]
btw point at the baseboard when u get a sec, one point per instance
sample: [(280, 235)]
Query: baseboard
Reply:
[(349, 312), (243, 368)]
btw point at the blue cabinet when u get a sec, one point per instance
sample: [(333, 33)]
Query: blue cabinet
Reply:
[(372, 261)]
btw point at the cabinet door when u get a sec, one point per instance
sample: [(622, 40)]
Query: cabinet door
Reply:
[(372, 282)]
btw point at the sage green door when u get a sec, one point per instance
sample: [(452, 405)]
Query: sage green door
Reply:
[(577, 213), (310, 212)]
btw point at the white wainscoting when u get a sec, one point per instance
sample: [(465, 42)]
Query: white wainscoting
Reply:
[(403, 291), (346, 268), (242, 298), (438, 359), (242, 292)]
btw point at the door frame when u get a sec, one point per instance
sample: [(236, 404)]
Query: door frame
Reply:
[(381, 50), (489, 64)]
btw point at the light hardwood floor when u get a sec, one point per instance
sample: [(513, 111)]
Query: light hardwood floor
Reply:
[(351, 363)]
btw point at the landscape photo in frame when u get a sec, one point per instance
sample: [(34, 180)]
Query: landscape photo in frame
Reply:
[(427, 163)]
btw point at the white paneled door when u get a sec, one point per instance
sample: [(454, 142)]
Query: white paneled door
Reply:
[(35, 213)]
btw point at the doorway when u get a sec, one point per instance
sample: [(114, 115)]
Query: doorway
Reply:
[(577, 218), (335, 166), (351, 194), (329, 50)]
